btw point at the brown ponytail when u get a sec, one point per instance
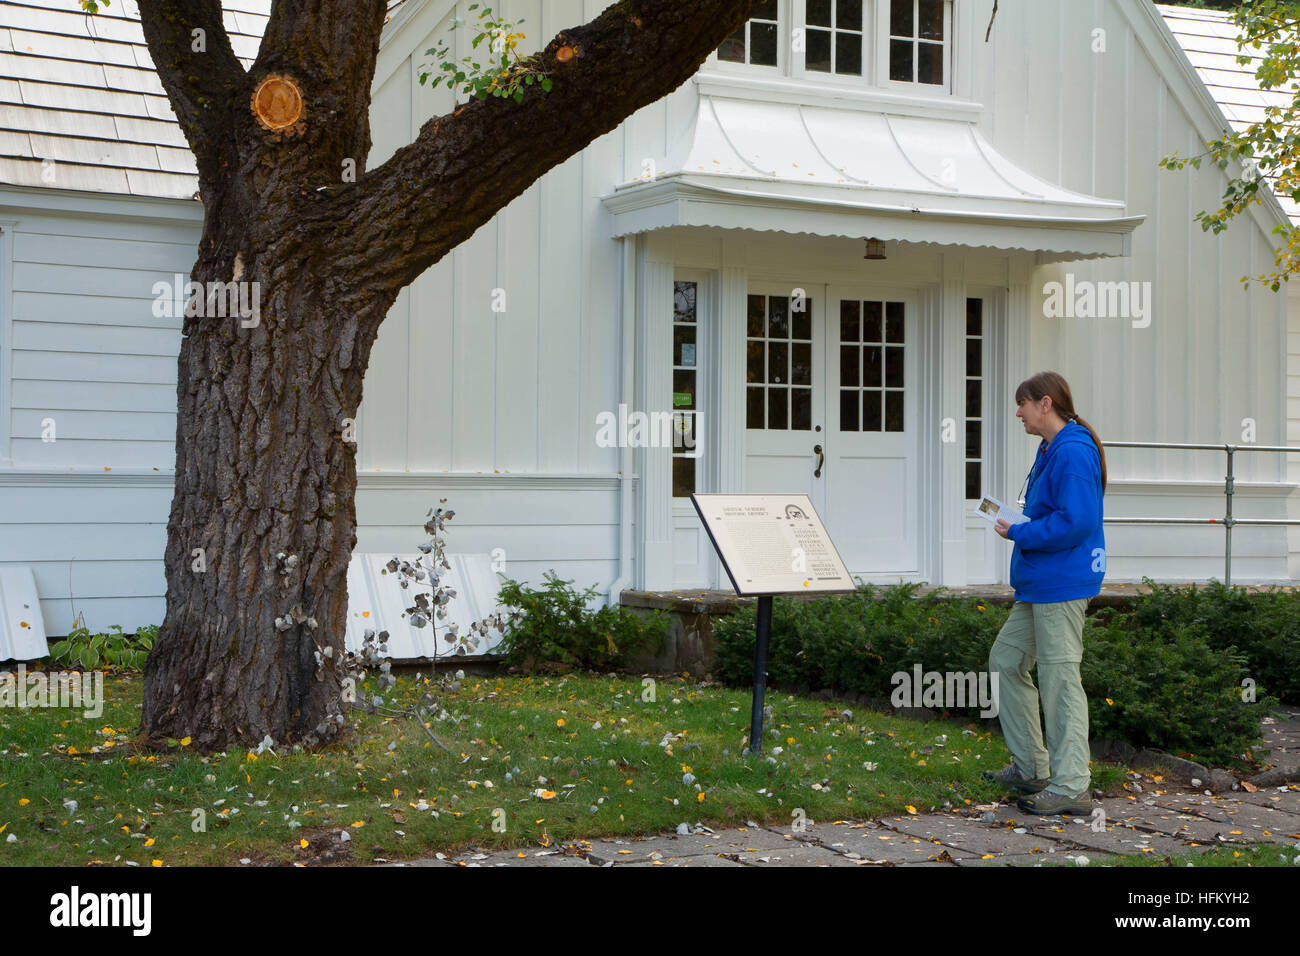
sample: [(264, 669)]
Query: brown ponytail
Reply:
[(1053, 386)]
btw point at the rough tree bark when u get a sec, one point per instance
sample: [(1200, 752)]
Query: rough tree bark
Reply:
[(262, 467)]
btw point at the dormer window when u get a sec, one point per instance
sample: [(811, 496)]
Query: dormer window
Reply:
[(755, 41), (833, 36), (903, 46), (918, 41)]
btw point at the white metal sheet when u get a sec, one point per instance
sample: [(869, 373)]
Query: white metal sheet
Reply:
[(22, 628), (377, 600)]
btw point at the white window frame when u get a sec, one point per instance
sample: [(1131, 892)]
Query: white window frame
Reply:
[(800, 72), (783, 60), (883, 38)]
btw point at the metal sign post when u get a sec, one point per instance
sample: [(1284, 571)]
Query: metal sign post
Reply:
[(764, 630)]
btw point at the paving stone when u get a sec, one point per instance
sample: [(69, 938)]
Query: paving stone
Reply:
[(684, 861), (974, 835), (795, 853), (531, 859), (1122, 840), (696, 844), (1062, 858), (878, 844)]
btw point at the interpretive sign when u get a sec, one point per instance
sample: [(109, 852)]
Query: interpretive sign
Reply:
[(771, 544)]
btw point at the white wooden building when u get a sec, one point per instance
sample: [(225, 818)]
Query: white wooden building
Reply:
[(662, 270)]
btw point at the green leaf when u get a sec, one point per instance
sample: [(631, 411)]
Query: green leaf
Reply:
[(89, 658), (547, 84)]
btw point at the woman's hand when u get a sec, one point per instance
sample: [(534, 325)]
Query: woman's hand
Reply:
[(1001, 527)]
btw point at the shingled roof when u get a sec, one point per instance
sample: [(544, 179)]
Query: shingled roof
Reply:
[(81, 91), (1209, 38)]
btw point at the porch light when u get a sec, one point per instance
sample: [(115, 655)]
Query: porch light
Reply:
[(875, 249)]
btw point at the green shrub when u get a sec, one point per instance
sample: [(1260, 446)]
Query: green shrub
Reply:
[(557, 627), (1170, 689), (115, 649), (1263, 626), (857, 642)]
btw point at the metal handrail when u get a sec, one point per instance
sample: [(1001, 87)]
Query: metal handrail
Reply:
[(1229, 483)]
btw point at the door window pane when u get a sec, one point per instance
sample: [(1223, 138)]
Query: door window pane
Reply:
[(686, 370), (974, 397), (874, 369), (779, 360)]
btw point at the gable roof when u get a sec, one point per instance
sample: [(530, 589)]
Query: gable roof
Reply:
[(1209, 39), (81, 91)]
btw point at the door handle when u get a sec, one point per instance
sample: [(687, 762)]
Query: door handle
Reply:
[(821, 460)]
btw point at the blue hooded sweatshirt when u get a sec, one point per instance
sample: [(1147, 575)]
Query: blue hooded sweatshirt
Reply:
[(1060, 552)]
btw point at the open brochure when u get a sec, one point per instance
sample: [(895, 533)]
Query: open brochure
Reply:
[(992, 511)]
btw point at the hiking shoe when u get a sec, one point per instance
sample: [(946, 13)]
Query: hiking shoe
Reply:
[(1011, 778), (1047, 803)]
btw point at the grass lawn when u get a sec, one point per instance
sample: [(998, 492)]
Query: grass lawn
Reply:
[(550, 759)]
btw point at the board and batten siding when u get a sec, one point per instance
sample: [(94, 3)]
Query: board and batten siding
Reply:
[(1215, 353), (86, 362)]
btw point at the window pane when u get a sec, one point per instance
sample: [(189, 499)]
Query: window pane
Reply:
[(973, 445), (801, 320), (871, 411), (929, 63), (900, 61), (932, 19), (684, 345), (849, 399), (754, 408), (848, 14), (895, 312), (755, 362), (894, 412), (684, 434), (894, 367), (850, 374), (778, 359), (819, 12), (818, 55), (684, 301), (733, 47), (756, 315), (684, 385), (973, 479), (778, 320), (973, 399), (801, 409), (764, 10), (778, 400), (683, 477), (848, 54), (901, 22), (871, 324), (872, 362), (850, 320), (762, 38), (801, 365), (974, 316), (973, 363)]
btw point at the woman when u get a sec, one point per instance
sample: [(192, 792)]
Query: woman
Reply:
[(1058, 564)]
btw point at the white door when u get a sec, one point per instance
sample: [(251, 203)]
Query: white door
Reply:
[(831, 384), (872, 428)]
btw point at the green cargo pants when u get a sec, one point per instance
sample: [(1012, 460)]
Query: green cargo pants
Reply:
[(1052, 634)]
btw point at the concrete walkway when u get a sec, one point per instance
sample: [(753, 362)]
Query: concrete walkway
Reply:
[(1153, 816)]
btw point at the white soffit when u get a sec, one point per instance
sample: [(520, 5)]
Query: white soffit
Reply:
[(805, 169), (376, 600), (22, 628)]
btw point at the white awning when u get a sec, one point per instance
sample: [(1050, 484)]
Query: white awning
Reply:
[(800, 169)]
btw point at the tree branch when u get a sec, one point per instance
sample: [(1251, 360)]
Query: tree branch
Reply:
[(202, 84), (465, 166)]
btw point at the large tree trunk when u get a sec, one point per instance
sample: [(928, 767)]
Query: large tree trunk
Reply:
[(263, 520)]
